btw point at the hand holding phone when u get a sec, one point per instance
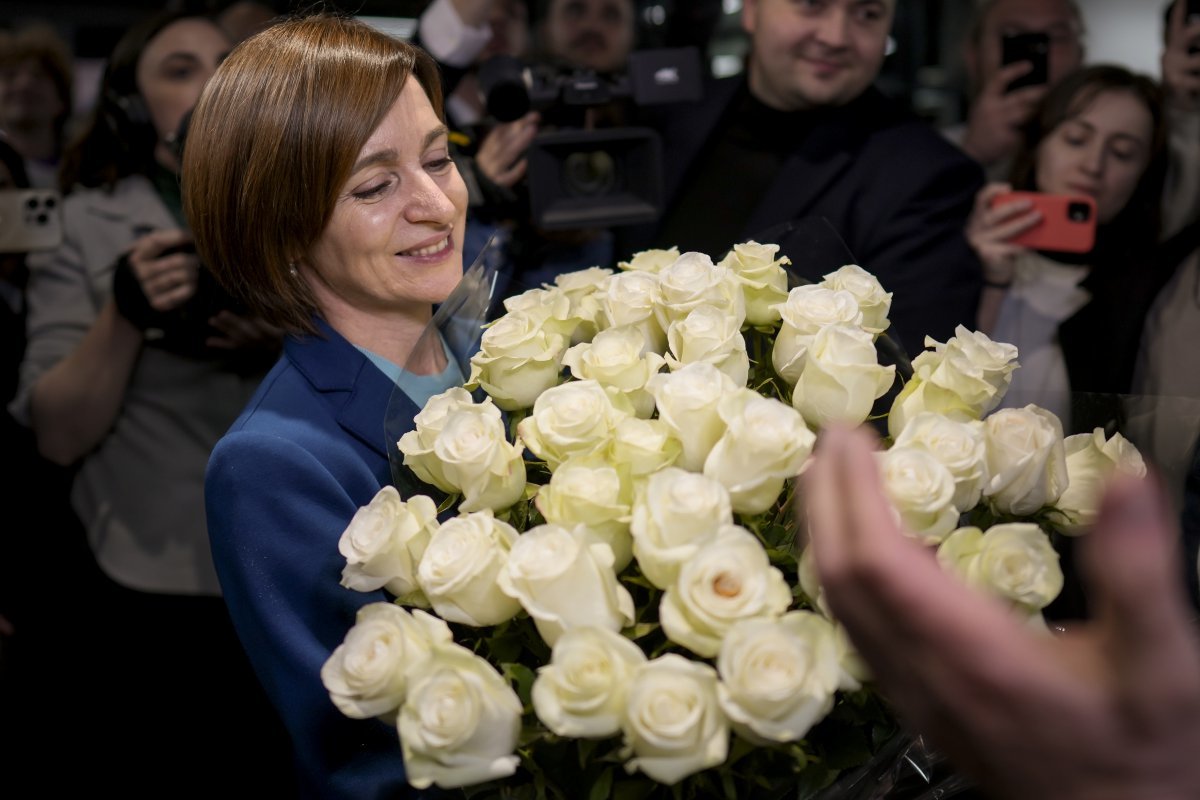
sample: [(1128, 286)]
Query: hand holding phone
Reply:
[(30, 220), (1068, 222), (1031, 47)]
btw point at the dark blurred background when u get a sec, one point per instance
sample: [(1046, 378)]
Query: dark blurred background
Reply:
[(923, 70)]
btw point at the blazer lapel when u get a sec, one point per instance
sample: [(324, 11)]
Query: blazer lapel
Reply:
[(362, 395)]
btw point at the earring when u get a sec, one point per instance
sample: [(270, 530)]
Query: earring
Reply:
[(292, 270)]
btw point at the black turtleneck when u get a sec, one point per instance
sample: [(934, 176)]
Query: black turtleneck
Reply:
[(730, 177)]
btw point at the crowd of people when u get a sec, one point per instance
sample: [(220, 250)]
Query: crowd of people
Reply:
[(197, 373)]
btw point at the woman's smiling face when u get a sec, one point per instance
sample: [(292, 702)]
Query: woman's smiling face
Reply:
[(394, 242)]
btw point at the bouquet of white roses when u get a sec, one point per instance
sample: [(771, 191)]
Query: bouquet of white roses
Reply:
[(612, 597)]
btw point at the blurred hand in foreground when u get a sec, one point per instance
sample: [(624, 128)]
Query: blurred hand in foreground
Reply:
[(1109, 709)]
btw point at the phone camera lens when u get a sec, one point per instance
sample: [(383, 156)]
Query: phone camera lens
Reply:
[(31, 203), (1078, 212), (49, 202)]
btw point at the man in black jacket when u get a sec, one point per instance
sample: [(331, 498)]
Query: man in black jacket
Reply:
[(801, 150)]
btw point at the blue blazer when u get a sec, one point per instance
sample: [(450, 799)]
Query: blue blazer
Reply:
[(281, 486), (896, 192)]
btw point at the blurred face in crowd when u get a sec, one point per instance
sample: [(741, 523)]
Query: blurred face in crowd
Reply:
[(597, 34), (29, 100), (1055, 18), (394, 242), (813, 53), (509, 23), (1102, 151), (172, 72)]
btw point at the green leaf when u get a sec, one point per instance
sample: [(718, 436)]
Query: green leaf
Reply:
[(520, 675), (640, 630), (602, 787)]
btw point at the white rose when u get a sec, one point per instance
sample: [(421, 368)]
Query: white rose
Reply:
[(430, 420), (629, 300), (676, 513), (590, 494), (708, 334), (922, 397), (653, 261), (1014, 561), (470, 455), (842, 377), (764, 444), (642, 447), (550, 306), (921, 490), (673, 726), (459, 569), (807, 310), (971, 366), (581, 693), (852, 670), (810, 581), (1091, 462), (574, 419), (384, 543), (518, 359), (687, 402), (583, 287), (727, 580), (873, 301), (961, 448), (764, 280), (1027, 465), (693, 280), (368, 674), (778, 676), (460, 724), (427, 425), (564, 577), (617, 357)]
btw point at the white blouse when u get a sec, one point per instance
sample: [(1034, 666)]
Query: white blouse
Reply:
[(1044, 294)]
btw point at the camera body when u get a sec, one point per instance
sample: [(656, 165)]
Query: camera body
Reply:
[(580, 177), (30, 220)]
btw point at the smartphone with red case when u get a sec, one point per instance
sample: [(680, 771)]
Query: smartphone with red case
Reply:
[(1068, 221)]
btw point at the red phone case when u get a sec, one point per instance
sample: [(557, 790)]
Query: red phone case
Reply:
[(1059, 230)]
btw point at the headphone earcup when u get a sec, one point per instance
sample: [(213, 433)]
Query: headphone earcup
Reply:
[(134, 108)]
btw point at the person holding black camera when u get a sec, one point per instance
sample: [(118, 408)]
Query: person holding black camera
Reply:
[(135, 366), (586, 40), (1014, 52)]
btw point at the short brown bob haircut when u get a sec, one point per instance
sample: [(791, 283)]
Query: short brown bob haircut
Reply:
[(272, 142)]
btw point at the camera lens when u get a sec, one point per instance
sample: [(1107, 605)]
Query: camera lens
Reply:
[(1078, 212), (589, 173)]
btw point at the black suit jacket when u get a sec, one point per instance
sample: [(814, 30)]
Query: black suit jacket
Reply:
[(895, 192)]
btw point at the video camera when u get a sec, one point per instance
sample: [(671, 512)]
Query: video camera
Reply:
[(582, 178)]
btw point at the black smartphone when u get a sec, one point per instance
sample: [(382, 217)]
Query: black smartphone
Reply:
[(1190, 15), (1031, 47)]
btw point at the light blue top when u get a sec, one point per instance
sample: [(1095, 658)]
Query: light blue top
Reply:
[(420, 388)]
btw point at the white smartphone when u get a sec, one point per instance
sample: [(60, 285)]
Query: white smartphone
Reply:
[(30, 220)]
